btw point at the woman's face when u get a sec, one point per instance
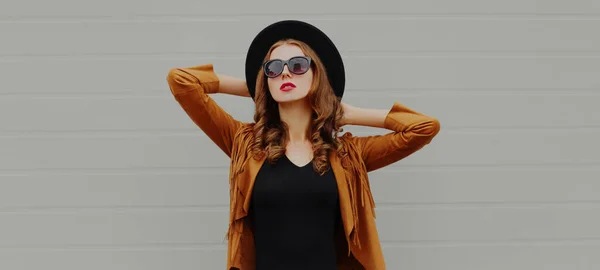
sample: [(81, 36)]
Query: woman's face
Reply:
[(288, 87)]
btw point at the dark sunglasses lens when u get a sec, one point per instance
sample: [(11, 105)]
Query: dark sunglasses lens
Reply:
[(298, 65), (274, 68)]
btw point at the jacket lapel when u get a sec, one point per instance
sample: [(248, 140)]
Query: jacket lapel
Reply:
[(344, 195), (253, 167)]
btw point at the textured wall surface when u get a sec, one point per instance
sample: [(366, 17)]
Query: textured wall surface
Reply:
[(101, 169)]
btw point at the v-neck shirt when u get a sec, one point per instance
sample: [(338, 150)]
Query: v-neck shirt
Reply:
[(295, 214)]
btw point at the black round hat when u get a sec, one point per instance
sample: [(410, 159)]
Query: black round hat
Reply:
[(302, 31)]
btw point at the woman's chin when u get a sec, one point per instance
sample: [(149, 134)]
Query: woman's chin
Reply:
[(287, 98)]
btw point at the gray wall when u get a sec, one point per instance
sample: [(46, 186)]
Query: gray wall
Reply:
[(100, 168)]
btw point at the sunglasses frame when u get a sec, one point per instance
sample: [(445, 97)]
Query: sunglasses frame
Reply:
[(286, 62)]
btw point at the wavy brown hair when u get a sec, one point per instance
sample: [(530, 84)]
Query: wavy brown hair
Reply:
[(271, 134)]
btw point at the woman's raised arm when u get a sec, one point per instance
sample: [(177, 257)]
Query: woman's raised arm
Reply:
[(411, 131), (191, 88)]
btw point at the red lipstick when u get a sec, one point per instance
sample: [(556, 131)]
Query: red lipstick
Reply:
[(288, 86)]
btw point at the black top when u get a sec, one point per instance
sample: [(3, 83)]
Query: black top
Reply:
[(295, 214)]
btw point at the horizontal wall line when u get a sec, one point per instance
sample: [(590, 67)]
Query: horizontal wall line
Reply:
[(508, 242), (113, 247), (4, 210), (194, 132), (328, 16), (346, 54), (164, 93), (481, 204), (381, 206), (594, 241), (203, 170)]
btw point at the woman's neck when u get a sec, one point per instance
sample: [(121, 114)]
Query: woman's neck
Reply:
[(297, 115)]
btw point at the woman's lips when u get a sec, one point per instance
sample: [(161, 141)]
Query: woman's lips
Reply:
[(287, 86)]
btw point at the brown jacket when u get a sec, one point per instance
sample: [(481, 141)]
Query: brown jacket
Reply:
[(359, 246)]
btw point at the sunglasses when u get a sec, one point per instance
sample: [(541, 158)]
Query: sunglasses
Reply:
[(297, 65)]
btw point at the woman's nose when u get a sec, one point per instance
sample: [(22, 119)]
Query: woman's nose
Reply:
[(286, 71)]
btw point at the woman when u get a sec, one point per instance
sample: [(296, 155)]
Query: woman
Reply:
[(299, 193)]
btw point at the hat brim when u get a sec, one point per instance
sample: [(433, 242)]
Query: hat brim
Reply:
[(302, 31)]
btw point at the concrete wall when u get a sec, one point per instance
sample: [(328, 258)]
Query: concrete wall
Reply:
[(100, 168)]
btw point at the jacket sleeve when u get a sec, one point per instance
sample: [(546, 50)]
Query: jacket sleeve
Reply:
[(191, 88), (411, 132)]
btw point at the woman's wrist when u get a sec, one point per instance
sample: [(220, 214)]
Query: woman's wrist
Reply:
[(348, 114)]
